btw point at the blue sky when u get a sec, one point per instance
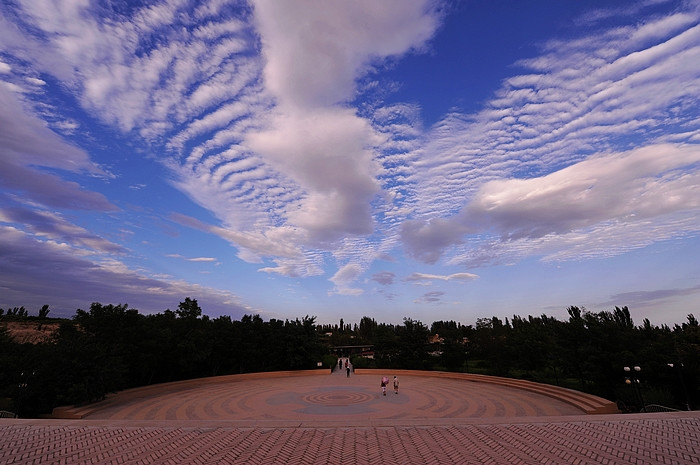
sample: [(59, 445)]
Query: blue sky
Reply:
[(438, 161)]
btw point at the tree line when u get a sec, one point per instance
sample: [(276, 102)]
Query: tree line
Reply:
[(112, 347)]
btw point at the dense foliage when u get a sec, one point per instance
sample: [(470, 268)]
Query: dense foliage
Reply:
[(112, 347)]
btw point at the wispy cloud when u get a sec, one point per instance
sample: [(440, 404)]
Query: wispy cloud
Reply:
[(52, 226), (433, 297), (645, 299), (385, 278), (538, 164), (612, 198), (310, 165), (193, 259), (28, 145), (34, 273), (344, 277), (426, 278), (589, 149)]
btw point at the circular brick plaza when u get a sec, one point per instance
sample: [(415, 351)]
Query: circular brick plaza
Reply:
[(323, 418), (323, 398)]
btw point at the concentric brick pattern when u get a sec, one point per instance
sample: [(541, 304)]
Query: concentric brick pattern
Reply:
[(322, 419), (653, 439), (337, 399), (324, 397)]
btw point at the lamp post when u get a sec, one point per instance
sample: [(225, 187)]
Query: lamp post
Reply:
[(21, 390), (633, 379), (680, 378)]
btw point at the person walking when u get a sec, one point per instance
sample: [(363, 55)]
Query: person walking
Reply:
[(396, 385), (383, 384)]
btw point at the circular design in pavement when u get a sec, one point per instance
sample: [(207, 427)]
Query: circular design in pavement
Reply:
[(337, 398), (324, 397)]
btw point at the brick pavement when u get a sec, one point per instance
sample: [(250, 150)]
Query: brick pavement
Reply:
[(608, 439), (321, 397), (317, 422)]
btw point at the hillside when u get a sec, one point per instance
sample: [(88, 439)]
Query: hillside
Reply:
[(32, 332)]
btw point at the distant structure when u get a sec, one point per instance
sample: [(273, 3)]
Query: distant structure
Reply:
[(366, 351)]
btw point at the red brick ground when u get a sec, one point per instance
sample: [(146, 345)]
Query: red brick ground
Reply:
[(333, 419), (323, 397)]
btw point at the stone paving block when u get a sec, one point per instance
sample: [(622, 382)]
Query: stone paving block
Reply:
[(340, 420)]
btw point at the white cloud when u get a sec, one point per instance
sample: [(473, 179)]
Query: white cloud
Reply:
[(346, 275), (192, 259), (426, 277), (196, 88), (315, 50), (538, 163), (631, 186), (426, 241), (276, 242), (201, 259), (109, 63), (256, 125), (602, 206), (66, 126), (35, 81), (581, 97), (308, 265), (12, 87), (313, 56), (328, 154)]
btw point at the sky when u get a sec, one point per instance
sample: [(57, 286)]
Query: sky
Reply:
[(394, 159)]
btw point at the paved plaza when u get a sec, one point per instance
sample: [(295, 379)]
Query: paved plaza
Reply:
[(329, 419)]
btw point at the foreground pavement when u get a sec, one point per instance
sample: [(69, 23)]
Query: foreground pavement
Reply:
[(340, 420)]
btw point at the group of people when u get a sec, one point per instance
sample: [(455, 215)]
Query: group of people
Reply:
[(347, 365), (385, 382)]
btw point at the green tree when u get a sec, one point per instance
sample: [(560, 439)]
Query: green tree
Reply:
[(252, 344), (301, 344), (453, 348), (531, 344), (188, 309), (412, 344), (687, 348), (43, 312), (224, 335), (192, 345), (367, 329), (490, 345), (572, 343), (386, 347)]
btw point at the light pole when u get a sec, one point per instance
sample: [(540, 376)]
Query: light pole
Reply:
[(633, 379), (21, 388), (680, 378)]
